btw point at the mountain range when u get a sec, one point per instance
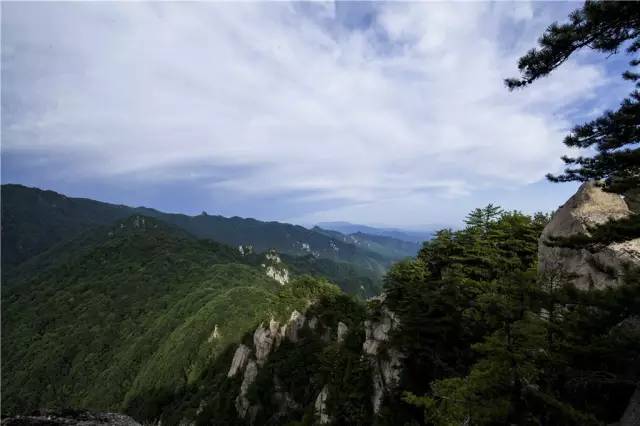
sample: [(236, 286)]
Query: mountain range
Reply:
[(36, 220), (424, 233), (203, 320)]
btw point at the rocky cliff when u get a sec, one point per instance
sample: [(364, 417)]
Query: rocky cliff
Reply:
[(588, 207), (315, 364)]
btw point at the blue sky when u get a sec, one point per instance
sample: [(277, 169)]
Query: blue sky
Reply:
[(376, 113)]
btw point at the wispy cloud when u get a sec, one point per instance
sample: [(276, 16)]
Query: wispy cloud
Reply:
[(358, 104)]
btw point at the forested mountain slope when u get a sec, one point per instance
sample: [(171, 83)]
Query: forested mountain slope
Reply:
[(139, 307), (465, 333), (35, 220), (143, 318)]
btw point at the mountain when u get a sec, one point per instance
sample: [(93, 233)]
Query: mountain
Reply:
[(466, 333), (35, 220), (141, 317), (132, 309), (409, 235), (388, 247)]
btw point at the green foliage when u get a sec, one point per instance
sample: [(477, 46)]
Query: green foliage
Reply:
[(351, 278), (495, 343), (123, 318), (456, 293), (607, 27), (292, 377), (36, 221), (131, 316)]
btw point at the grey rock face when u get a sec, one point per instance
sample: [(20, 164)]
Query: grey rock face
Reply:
[(588, 207), (215, 334), (386, 376), (294, 325), (320, 406), (240, 358), (386, 369), (242, 401), (266, 339), (313, 323), (342, 331), (263, 342), (377, 332)]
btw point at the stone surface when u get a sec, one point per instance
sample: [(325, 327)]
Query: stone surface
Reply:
[(313, 323), (342, 331), (386, 376), (377, 332), (242, 401), (240, 358), (320, 406), (588, 207), (278, 273), (215, 334), (386, 363), (294, 325), (263, 341)]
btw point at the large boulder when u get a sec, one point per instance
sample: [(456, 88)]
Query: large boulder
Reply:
[(588, 207)]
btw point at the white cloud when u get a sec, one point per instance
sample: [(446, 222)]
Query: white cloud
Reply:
[(412, 104)]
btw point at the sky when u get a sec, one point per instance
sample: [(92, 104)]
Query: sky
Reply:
[(376, 113)]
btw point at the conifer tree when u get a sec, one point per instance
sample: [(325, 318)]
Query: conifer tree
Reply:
[(608, 27)]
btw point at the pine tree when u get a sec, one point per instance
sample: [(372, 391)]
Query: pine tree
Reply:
[(607, 27)]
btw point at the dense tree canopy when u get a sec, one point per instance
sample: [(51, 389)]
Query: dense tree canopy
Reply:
[(490, 341)]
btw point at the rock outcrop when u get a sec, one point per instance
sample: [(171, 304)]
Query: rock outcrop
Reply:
[(295, 324), (215, 334), (377, 332), (242, 400), (266, 339), (279, 274), (275, 268), (320, 406), (386, 362), (342, 331), (263, 340), (588, 207), (240, 358)]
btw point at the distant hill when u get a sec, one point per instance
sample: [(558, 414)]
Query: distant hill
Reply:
[(409, 235), (131, 309), (34, 220), (388, 247)]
